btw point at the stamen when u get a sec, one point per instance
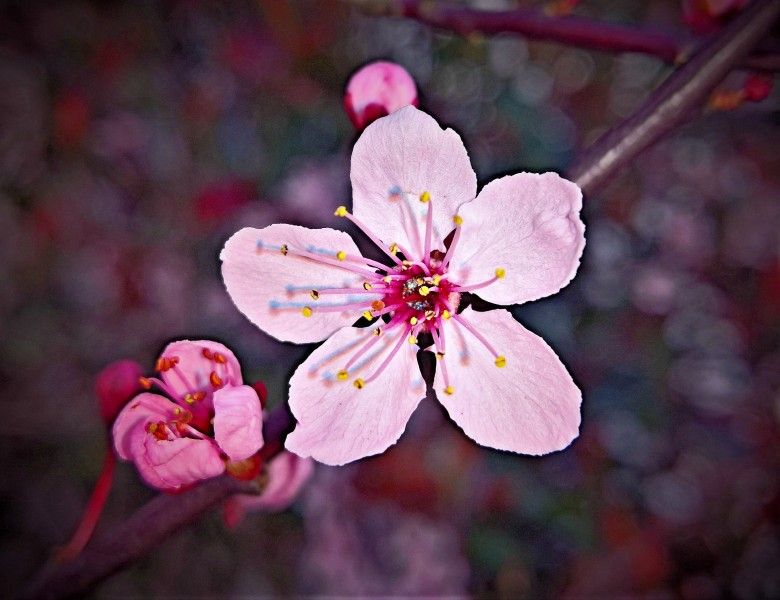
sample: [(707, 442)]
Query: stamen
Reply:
[(220, 358), (501, 361), (426, 258), (372, 339), (453, 244), (334, 262), (145, 382), (318, 308), (359, 383), (207, 354), (390, 356), (364, 228), (362, 290), (477, 335), (215, 380), (343, 375), (500, 274)]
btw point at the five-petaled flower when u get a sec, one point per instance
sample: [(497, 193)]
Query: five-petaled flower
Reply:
[(209, 419), (415, 196)]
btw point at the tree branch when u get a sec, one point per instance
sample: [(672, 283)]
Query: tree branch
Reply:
[(570, 30), (156, 521), (683, 91)]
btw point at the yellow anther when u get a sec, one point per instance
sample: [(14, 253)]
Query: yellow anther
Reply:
[(500, 273), (425, 197), (342, 375), (314, 294), (359, 383), (436, 279), (394, 248), (189, 399), (341, 211), (440, 355), (429, 314), (412, 339), (457, 219), (407, 263), (424, 290), (152, 427), (307, 311), (446, 314), (501, 361), (413, 320), (378, 331), (387, 279), (177, 411), (341, 255), (449, 390), (368, 315), (284, 249), (366, 286)]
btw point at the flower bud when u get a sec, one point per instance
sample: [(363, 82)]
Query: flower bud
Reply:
[(115, 385), (376, 90)]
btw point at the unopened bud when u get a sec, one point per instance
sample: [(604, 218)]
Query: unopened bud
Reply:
[(376, 90)]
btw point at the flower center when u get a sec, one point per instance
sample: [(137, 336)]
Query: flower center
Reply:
[(411, 297)]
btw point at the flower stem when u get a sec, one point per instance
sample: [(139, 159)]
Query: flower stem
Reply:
[(683, 91), (157, 520), (569, 30)]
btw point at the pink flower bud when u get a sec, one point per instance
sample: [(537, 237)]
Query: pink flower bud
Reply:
[(115, 385), (377, 90)]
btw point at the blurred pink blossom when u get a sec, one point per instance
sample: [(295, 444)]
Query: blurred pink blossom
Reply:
[(209, 418), (415, 195), (286, 474), (377, 90)]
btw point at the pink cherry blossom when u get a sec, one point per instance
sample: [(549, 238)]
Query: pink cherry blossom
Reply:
[(378, 89), (415, 196), (207, 418), (286, 475)]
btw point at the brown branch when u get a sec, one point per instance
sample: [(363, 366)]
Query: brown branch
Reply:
[(570, 30), (683, 91), (157, 520)]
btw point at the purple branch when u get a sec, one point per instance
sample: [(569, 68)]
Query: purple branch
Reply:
[(568, 30), (156, 521), (683, 91)]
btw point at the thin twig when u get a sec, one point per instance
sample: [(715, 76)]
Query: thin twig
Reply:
[(683, 91), (156, 521), (569, 30)]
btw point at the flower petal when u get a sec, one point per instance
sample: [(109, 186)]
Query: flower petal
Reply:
[(528, 225), (271, 289), (409, 151), (194, 368), (287, 473), (530, 406), (339, 423), (238, 421), (131, 421), (178, 462)]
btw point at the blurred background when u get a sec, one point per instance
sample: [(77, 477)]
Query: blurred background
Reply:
[(135, 137)]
